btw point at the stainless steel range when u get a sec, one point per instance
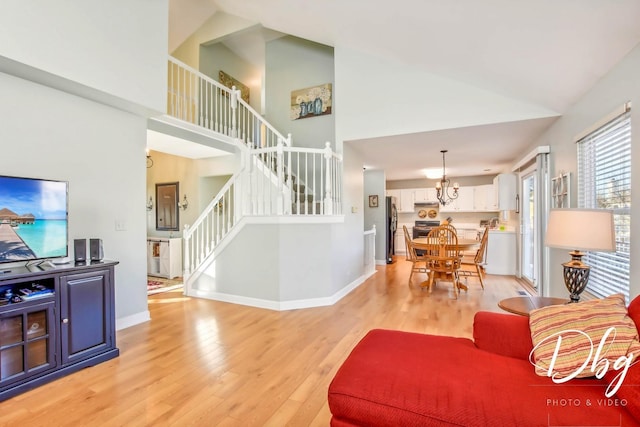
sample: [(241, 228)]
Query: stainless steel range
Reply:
[(422, 228)]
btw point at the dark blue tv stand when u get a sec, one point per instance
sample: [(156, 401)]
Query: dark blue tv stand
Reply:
[(64, 322)]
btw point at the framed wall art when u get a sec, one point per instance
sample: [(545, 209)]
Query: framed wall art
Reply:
[(373, 201), (311, 102), (229, 82), (167, 217), (561, 190)]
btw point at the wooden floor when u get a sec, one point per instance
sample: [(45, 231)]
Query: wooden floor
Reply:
[(208, 363)]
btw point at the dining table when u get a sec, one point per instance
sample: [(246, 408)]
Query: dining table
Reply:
[(463, 245)]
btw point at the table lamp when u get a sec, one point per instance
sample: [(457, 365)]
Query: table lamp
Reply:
[(579, 230)]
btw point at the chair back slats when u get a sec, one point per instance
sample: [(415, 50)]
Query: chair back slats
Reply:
[(478, 260), (482, 250), (442, 251), (418, 262)]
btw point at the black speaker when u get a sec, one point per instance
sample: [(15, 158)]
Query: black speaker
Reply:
[(80, 250), (95, 250)]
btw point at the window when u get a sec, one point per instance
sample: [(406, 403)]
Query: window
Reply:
[(604, 182)]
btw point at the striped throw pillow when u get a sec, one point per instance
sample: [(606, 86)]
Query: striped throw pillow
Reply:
[(581, 327)]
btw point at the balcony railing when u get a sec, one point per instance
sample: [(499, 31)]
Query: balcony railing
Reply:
[(202, 101)]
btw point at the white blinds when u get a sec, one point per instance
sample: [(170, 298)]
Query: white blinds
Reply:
[(604, 181)]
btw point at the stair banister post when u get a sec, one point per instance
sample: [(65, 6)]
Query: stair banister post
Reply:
[(249, 193), (328, 202), (187, 258), (280, 175), (234, 111), (289, 141)]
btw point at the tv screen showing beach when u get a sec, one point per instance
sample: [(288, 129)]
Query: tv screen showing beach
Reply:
[(33, 219)]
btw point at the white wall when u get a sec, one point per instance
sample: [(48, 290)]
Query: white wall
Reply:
[(213, 29), (274, 266), (374, 184), (292, 64), (617, 87), (381, 97), (348, 237), (100, 152), (118, 47), (217, 57)]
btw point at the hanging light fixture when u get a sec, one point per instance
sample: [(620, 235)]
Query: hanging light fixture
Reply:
[(442, 186)]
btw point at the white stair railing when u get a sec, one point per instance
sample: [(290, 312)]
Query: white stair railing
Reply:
[(294, 181), (266, 186), (200, 100), (370, 250), (275, 179)]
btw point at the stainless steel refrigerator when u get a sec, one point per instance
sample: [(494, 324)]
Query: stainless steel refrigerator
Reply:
[(391, 226)]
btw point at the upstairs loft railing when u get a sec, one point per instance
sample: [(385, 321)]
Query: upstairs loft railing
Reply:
[(198, 99), (275, 179)]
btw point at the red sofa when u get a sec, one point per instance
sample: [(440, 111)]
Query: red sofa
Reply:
[(394, 378)]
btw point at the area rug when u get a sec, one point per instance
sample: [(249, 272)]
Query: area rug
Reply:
[(157, 285)]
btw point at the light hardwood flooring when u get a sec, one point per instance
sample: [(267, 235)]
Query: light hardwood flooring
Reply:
[(208, 363)]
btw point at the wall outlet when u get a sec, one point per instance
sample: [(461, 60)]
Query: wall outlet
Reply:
[(121, 225)]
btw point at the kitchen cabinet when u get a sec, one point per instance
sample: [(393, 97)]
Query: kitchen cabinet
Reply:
[(464, 202), (424, 195), (506, 189), (501, 252), (484, 198), (164, 257), (404, 199), (400, 248)]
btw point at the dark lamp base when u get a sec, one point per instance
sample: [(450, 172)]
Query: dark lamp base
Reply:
[(576, 277)]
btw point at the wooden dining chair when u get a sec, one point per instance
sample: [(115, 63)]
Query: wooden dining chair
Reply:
[(412, 256), (442, 256), (476, 263)]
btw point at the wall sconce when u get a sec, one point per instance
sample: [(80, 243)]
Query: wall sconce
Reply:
[(184, 203), (150, 204), (149, 160)]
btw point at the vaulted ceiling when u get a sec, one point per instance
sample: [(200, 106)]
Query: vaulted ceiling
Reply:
[(544, 52)]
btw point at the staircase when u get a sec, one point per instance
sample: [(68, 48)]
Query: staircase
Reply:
[(275, 178)]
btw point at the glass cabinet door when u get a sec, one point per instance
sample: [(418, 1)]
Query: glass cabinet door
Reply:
[(26, 342)]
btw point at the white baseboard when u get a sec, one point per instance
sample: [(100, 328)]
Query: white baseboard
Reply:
[(284, 305), (134, 319)]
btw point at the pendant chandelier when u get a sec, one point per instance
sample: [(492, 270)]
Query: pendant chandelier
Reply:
[(443, 186)]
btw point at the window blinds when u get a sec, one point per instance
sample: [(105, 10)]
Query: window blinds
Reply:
[(604, 182)]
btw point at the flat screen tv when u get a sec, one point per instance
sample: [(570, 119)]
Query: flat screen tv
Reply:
[(33, 219)]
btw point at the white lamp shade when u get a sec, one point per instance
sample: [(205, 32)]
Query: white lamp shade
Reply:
[(581, 229)]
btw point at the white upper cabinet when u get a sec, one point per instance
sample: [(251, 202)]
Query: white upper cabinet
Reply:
[(404, 199), (484, 198), (505, 190), (424, 195), (420, 195), (464, 202), (479, 198)]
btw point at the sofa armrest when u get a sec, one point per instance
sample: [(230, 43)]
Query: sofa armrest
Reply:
[(504, 334)]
